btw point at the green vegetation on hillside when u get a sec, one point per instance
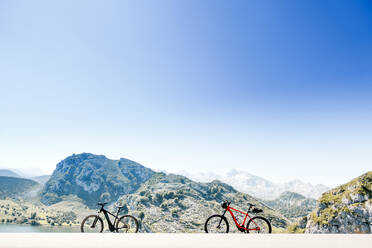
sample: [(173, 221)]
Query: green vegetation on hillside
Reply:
[(24, 212)]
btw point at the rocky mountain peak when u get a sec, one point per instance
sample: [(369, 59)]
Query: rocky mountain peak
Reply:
[(94, 178)]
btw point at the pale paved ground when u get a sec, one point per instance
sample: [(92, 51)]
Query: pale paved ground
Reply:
[(71, 240)]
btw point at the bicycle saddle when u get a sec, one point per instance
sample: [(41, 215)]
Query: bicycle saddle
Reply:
[(257, 210), (102, 203)]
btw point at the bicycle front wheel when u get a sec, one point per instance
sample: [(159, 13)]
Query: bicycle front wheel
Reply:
[(258, 224), (92, 223), (127, 224), (216, 224)]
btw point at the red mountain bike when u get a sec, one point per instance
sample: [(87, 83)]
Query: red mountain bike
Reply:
[(219, 224)]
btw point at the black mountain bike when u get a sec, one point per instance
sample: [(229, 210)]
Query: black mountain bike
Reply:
[(124, 224)]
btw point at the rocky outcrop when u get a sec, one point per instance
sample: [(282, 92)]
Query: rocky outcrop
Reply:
[(94, 178), (345, 209)]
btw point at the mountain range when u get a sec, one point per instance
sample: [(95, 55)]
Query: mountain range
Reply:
[(164, 202), (175, 203), (257, 186)]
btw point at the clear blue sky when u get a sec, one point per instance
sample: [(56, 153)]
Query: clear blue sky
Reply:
[(281, 89)]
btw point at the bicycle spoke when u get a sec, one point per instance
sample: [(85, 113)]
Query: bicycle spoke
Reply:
[(216, 224), (259, 225), (92, 224), (127, 224)]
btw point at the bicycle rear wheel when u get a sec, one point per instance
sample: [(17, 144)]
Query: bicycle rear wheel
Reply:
[(216, 224), (260, 224), (92, 223), (127, 224)]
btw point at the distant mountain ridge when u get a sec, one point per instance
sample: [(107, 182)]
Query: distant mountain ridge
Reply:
[(13, 187), (292, 205), (41, 179), (94, 178), (8, 173), (258, 186)]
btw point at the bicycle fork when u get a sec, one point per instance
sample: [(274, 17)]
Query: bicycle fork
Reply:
[(223, 215), (94, 223)]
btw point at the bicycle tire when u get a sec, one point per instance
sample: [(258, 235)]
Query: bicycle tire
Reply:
[(123, 220), (253, 221), (92, 216), (218, 219)]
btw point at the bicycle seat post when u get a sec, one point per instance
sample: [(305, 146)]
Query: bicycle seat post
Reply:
[(250, 206)]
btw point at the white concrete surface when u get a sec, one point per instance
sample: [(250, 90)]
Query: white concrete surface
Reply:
[(140, 240)]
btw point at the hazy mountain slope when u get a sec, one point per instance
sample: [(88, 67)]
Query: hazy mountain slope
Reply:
[(13, 187), (292, 205), (41, 179), (306, 189), (8, 173), (257, 186), (174, 203), (345, 209), (94, 178)]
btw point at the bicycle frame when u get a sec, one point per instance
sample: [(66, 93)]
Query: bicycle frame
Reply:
[(241, 226), (107, 213)]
